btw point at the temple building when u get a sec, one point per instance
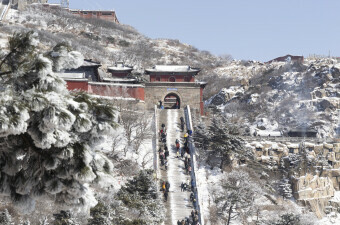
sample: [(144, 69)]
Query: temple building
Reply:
[(109, 15), (175, 86), (121, 73)]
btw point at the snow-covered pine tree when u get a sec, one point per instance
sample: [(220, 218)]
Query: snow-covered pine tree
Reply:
[(140, 195), (223, 143), (285, 188), (48, 135), (201, 136), (64, 218), (6, 218)]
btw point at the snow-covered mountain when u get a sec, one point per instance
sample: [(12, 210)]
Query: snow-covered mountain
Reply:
[(288, 94), (104, 41)]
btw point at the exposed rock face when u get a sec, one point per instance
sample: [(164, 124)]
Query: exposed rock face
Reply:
[(314, 191), (304, 94), (313, 187), (226, 94)]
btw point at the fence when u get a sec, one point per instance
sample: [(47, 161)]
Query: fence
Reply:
[(288, 139), (155, 143), (193, 157)]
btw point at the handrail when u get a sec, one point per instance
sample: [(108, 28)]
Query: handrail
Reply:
[(4, 11), (155, 143), (191, 146), (288, 139)]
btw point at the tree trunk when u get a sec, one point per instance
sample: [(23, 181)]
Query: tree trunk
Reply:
[(229, 214), (222, 164)]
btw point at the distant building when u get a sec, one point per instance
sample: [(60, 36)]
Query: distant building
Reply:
[(287, 58), (300, 132), (108, 15)]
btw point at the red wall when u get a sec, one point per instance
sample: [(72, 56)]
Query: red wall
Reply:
[(77, 85), (165, 78), (117, 91), (107, 90), (97, 14)]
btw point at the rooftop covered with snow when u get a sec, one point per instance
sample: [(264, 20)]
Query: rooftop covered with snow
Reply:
[(173, 69), (119, 67)]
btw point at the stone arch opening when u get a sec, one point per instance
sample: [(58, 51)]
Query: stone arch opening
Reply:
[(172, 101)]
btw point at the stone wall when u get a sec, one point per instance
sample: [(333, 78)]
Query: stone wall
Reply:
[(269, 151), (188, 95), (312, 187)]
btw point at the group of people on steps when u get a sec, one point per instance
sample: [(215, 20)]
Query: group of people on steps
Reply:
[(191, 220), (183, 154)]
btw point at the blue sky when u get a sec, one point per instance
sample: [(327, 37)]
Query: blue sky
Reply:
[(246, 29)]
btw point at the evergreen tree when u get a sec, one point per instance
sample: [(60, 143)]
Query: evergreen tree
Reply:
[(6, 218), (223, 143), (285, 188), (64, 218), (48, 135)]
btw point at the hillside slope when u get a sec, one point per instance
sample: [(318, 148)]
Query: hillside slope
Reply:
[(282, 96)]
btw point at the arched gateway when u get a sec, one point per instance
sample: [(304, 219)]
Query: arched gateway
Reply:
[(174, 85), (172, 101)]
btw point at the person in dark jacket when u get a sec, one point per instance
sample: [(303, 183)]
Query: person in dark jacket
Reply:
[(166, 196), (182, 186), (166, 154), (191, 199), (167, 185)]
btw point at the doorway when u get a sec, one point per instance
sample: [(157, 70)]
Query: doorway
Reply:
[(172, 101)]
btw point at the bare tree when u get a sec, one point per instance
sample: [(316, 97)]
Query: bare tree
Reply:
[(237, 196), (142, 131)]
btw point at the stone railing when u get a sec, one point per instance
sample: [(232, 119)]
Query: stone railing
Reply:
[(289, 139), (191, 146), (155, 144)]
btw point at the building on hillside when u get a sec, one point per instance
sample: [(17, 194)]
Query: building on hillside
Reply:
[(288, 58), (301, 132), (109, 15), (175, 86), (87, 78), (89, 71)]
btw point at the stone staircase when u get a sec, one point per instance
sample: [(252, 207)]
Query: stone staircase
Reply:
[(178, 205)]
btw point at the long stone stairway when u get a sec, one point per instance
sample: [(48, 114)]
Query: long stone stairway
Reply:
[(178, 205)]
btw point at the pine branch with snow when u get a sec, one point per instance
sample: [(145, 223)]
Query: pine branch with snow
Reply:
[(48, 135)]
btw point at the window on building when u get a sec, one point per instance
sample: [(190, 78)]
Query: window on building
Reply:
[(186, 79), (85, 13), (259, 149), (291, 150), (106, 14), (158, 78), (172, 79)]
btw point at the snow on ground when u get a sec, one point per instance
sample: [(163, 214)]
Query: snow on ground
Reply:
[(206, 179), (179, 201)]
